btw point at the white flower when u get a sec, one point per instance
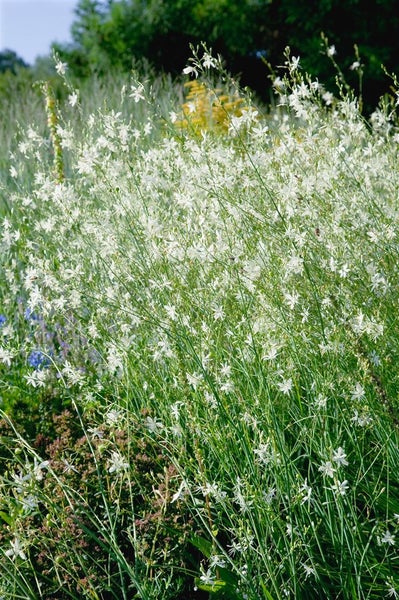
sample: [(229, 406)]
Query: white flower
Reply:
[(291, 299), (331, 51), (225, 370), (355, 65), (341, 487), (16, 550), (37, 378), (194, 379), (243, 503), (266, 454), (272, 352), (321, 401), (113, 416), (279, 84), (207, 577), (328, 98), (73, 375), (117, 463), (306, 490), (227, 386), (73, 98), (115, 358), (95, 433), (175, 409), (38, 469), (294, 63), (136, 92), (20, 481), (208, 61), (218, 313), (190, 70), (327, 469), (235, 547), (153, 425), (60, 67), (29, 502), (391, 593), (308, 570), (216, 561), (6, 356), (374, 358), (147, 128), (339, 457), (213, 489), (362, 420), (358, 392), (285, 386), (170, 310), (181, 492), (388, 538), (68, 468), (270, 495), (294, 265), (344, 271)]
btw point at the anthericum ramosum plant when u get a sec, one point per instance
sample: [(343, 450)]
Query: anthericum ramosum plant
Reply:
[(222, 309)]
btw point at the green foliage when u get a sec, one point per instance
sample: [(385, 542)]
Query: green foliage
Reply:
[(97, 527), (10, 61), (218, 315), (14, 84), (372, 26), (225, 585), (117, 33)]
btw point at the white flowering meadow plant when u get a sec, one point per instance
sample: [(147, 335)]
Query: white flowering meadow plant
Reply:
[(219, 314)]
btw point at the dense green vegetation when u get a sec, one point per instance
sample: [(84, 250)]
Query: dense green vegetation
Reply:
[(248, 34), (198, 340), (115, 33)]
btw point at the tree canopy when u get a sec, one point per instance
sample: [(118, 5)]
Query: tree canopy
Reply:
[(10, 61), (113, 33)]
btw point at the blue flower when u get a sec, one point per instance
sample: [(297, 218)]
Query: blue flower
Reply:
[(2, 320), (31, 316), (37, 359)]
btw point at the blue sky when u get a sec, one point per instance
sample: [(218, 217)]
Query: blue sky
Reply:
[(29, 26)]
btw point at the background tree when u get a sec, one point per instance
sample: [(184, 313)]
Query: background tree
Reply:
[(373, 25), (15, 76), (114, 33), (10, 61)]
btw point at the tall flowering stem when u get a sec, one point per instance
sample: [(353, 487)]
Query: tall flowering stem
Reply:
[(52, 121)]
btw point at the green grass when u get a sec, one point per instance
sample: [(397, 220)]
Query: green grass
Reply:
[(199, 348)]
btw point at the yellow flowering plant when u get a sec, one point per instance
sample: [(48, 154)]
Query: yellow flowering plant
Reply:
[(209, 109)]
